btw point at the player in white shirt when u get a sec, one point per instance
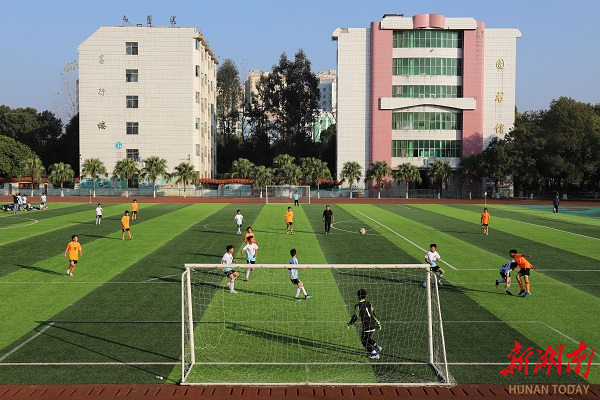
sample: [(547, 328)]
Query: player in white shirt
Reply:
[(227, 259), (238, 220), (98, 214), (432, 257), (250, 251), (505, 271), (294, 277)]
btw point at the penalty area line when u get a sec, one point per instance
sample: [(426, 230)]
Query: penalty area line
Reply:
[(25, 342), (403, 237)]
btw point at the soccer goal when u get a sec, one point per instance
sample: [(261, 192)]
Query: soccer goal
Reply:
[(286, 193), (263, 335)]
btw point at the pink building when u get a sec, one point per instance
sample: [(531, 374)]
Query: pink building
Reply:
[(423, 88)]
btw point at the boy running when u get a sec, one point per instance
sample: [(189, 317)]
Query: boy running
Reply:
[(432, 257), (125, 226), (505, 271), (250, 251), (289, 221), (74, 251), (227, 259), (294, 277), (364, 310), (98, 214), (134, 210), (524, 271), (485, 221), (249, 234), (238, 220)]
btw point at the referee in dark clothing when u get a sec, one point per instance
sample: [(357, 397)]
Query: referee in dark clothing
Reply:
[(328, 219), (364, 310)]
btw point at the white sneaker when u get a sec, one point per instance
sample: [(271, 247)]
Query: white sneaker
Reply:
[(373, 356), (233, 291), (424, 284)]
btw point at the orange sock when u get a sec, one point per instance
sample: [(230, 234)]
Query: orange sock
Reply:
[(527, 286), (521, 285)]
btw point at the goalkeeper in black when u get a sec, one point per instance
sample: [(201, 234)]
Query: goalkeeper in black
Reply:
[(364, 310)]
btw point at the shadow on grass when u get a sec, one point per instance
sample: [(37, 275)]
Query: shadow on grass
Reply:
[(38, 269)]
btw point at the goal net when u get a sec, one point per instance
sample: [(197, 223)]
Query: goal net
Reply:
[(287, 193), (264, 335)]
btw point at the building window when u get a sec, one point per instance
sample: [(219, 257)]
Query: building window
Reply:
[(197, 70), (133, 154), (426, 148), (427, 38), (197, 150), (133, 128), (197, 97), (131, 75), (426, 91), (427, 66), (131, 48), (426, 121), (132, 101), (197, 123)]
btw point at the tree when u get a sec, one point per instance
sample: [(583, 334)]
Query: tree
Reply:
[(407, 173), (291, 174), (472, 168), (242, 168), (290, 94), (12, 153), (439, 171), (32, 166), (377, 172), (351, 171), (126, 169), (283, 164), (186, 174), (153, 168), (93, 167), (328, 145), (315, 171), (229, 106), (263, 176), (61, 173), (497, 162)]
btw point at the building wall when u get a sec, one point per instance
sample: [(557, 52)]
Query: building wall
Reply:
[(353, 116), (176, 108)]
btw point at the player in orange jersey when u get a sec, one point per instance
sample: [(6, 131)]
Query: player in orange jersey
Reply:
[(74, 251), (525, 268), (125, 226), (289, 221), (134, 210), (485, 221)]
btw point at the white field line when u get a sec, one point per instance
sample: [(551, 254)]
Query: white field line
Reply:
[(399, 235), (554, 229), (35, 221), (27, 341), (113, 363)]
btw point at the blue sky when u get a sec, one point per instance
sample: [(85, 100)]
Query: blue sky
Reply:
[(557, 55)]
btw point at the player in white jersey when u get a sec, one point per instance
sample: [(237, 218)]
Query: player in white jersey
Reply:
[(432, 257), (250, 251), (238, 220), (294, 277), (505, 274), (229, 272)]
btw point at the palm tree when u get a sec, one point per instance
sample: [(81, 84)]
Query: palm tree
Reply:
[(378, 170), (93, 167), (186, 174), (407, 173), (439, 171), (282, 160), (61, 173), (263, 176), (351, 171), (32, 166), (153, 168), (242, 168), (291, 174), (315, 170), (126, 169)]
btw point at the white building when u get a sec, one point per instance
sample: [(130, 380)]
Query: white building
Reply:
[(148, 91)]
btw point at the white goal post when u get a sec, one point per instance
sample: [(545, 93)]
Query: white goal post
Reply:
[(285, 193), (263, 334)]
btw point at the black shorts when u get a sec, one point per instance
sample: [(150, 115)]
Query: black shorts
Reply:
[(295, 281), (434, 269), (484, 225), (134, 212), (125, 229), (227, 273), (73, 261), (524, 271), (290, 224), (250, 262), (504, 274)]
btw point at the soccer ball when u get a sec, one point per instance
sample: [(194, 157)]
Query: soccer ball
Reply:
[(362, 231)]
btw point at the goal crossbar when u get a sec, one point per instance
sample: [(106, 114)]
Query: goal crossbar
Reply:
[(321, 266), (280, 193)]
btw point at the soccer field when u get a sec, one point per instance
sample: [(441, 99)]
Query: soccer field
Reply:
[(118, 319)]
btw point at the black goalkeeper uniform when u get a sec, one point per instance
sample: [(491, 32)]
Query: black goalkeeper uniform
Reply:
[(364, 310)]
